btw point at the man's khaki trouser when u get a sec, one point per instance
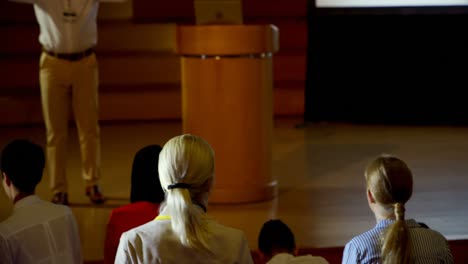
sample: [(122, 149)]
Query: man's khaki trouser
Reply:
[(63, 84)]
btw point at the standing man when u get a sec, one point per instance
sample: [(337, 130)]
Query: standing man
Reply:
[(37, 231), (69, 77)]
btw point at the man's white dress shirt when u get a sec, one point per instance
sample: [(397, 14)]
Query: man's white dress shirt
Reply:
[(39, 232), (284, 258), (67, 26)]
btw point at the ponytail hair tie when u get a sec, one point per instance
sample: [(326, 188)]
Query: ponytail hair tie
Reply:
[(399, 211), (178, 185)]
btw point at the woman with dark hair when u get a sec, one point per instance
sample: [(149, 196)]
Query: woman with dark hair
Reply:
[(145, 197), (394, 240)]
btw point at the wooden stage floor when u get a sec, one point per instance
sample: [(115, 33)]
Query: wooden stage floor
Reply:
[(319, 170)]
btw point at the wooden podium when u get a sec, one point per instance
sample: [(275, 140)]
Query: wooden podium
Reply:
[(227, 100)]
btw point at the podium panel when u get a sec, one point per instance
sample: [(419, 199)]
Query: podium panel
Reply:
[(227, 99)]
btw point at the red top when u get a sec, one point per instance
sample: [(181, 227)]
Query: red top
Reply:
[(123, 219)]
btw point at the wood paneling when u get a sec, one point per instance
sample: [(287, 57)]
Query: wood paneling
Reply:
[(269, 9), (137, 61), (14, 13), (164, 11), (20, 76), (183, 10)]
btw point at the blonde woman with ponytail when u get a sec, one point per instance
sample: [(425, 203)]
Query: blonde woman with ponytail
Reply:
[(183, 232), (395, 239)]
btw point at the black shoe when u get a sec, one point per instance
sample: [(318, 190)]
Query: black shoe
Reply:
[(95, 195), (60, 198)]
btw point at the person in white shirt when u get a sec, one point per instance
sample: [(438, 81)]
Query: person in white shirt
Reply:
[(37, 231), (68, 76), (278, 246), (183, 232)]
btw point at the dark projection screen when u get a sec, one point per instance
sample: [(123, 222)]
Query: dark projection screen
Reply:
[(399, 64)]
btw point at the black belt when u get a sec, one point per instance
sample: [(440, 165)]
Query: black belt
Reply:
[(71, 56)]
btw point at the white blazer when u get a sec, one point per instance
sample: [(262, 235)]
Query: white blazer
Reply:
[(155, 242)]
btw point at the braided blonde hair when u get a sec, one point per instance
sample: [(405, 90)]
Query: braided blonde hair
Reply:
[(391, 182)]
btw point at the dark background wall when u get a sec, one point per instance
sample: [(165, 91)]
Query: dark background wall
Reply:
[(387, 66)]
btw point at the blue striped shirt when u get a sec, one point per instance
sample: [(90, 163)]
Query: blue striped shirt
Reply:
[(428, 246)]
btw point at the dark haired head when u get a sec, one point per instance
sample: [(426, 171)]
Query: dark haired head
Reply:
[(23, 162), (145, 184), (276, 236)]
